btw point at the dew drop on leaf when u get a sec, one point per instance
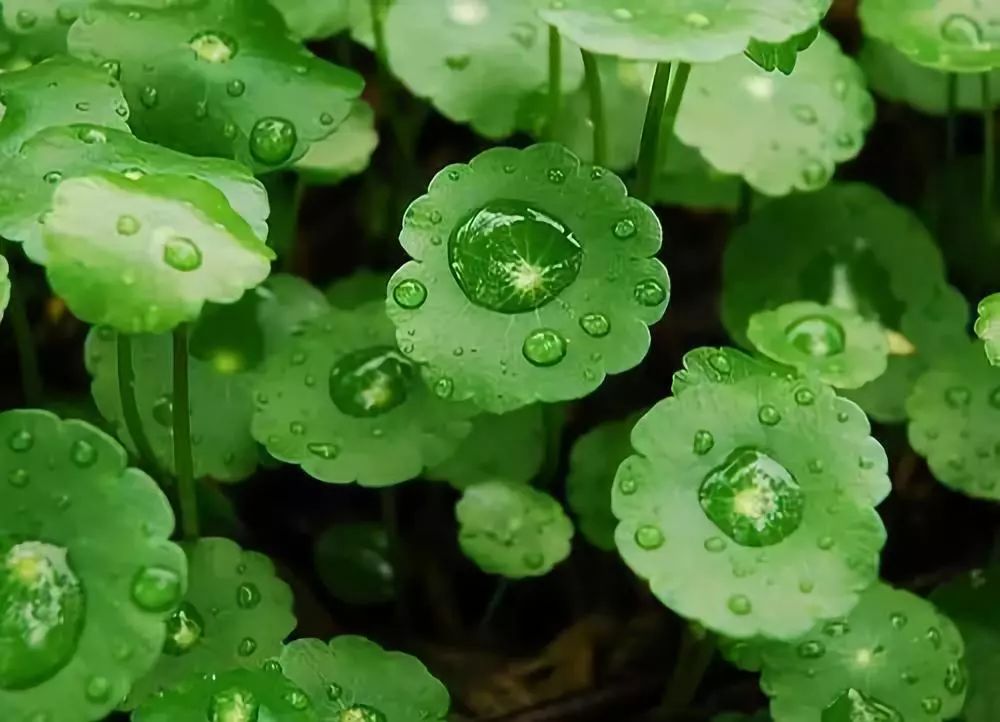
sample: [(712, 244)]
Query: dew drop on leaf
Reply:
[(185, 628), (149, 97), (127, 225), (897, 620), (236, 88), (82, 453), (544, 347), (768, 415), (325, 451), (156, 589), (739, 604), (233, 705), (163, 411), (931, 705), (804, 397), (371, 382), (410, 293), (246, 647), (296, 699), (113, 68), (595, 324), (955, 678), (272, 140), (97, 689), (715, 544), (213, 47), (817, 335), (703, 442), (811, 650), (181, 254), (334, 692), (444, 388), (650, 293), (52, 177), (247, 596), (624, 228), (21, 441), (649, 537), (19, 478)]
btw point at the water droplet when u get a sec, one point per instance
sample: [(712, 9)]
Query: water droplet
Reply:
[(534, 560), (163, 411), (410, 293), (326, 119), (556, 175), (836, 628), (247, 595), (961, 30), (233, 705), (19, 478), (149, 96), (297, 428), (703, 442), (825, 543), (805, 114), (113, 68), (127, 225), (133, 173), (444, 388), (371, 382), (272, 140), (360, 713), (457, 62), (853, 705), (955, 678), (334, 692), (931, 705), (324, 450), (25, 19), (818, 336), (768, 415), (98, 689), (52, 177), (273, 666), (236, 88), (697, 21), (625, 228), (595, 324), (752, 499), (185, 628), (156, 589), (21, 441), (628, 486), (649, 537), (623, 14), (811, 650), (82, 453), (650, 293), (804, 397), (720, 363), (715, 544), (213, 47), (739, 604), (42, 605), (297, 699), (247, 646), (933, 636), (815, 174), (181, 254), (544, 347)]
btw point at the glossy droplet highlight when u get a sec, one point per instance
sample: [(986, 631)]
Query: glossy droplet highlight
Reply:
[(361, 713), (649, 537), (82, 454), (181, 254), (811, 650), (213, 47), (739, 604), (768, 415), (371, 382), (247, 647), (595, 324), (272, 140), (20, 441), (324, 451), (297, 699), (818, 336), (854, 705), (247, 596), (752, 498), (149, 97), (703, 442), (955, 678), (511, 257), (650, 293), (163, 411), (233, 705), (156, 589), (42, 613), (410, 294), (185, 628), (624, 228), (544, 348)]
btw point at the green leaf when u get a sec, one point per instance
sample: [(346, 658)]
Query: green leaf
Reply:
[(685, 178), (956, 35), (696, 522), (236, 614), (477, 61), (843, 247), (4, 285), (352, 678), (534, 278), (311, 20), (354, 563), (512, 529), (343, 403), (689, 31), (30, 177), (761, 716), (971, 601), (593, 462), (894, 76), (988, 326), (37, 28), (781, 56), (57, 92), (240, 694), (894, 657), (954, 413), (787, 133), (86, 561), (144, 255), (362, 287), (722, 366), (501, 446), (841, 347), (228, 345), (218, 78), (345, 152)]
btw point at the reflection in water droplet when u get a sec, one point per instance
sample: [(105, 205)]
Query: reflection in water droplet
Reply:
[(181, 254), (213, 47), (853, 705), (410, 293), (703, 442), (961, 30), (272, 140), (649, 537), (752, 499), (371, 382), (185, 628), (156, 589), (544, 347), (650, 293), (819, 336), (595, 324), (444, 388), (805, 397), (247, 595), (42, 612), (127, 225), (233, 705), (247, 647), (236, 88), (510, 257), (297, 699), (768, 415), (52, 177)]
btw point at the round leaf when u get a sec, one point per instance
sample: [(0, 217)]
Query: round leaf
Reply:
[(722, 366), (345, 152), (988, 327), (309, 19), (354, 563)]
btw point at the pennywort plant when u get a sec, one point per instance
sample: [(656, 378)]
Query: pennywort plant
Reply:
[(418, 250)]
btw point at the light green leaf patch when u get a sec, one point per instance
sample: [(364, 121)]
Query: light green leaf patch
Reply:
[(97, 592), (534, 278), (236, 614), (841, 347), (724, 365), (218, 78), (960, 36), (690, 31), (354, 563), (749, 505), (507, 446), (478, 60), (352, 678), (30, 178), (894, 657), (228, 346), (787, 133), (893, 75), (988, 326), (954, 413), (230, 695), (144, 255), (309, 19), (345, 152), (781, 56), (593, 462), (844, 247), (57, 92), (37, 28), (512, 529), (342, 402)]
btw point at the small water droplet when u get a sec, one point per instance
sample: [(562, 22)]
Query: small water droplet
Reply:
[(113, 68), (297, 428), (544, 347), (815, 174), (703, 442), (156, 589), (556, 175), (649, 537), (213, 47), (650, 293), (19, 478), (127, 225), (739, 604), (25, 19), (149, 96), (804, 397), (825, 543), (273, 666), (625, 228), (297, 699), (272, 140), (246, 647), (444, 387), (768, 415), (715, 544), (185, 628), (410, 293), (98, 689), (163, 410), (21, 441), (247, 596), (955, 678), (811, 650), (52, 177), (181, 254), (628, 485), (931, 705), (83, 453), (595, 324), (236, 88), (933, 635), (720, 363)]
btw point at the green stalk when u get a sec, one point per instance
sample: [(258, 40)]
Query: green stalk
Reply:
[(130, 408), (677, 87), (27, 356), (496, 599), (649, 145), (693, 659), (597, 111), (989, 149), (183, 461), (952, 122), (555, 81), (378, 31)]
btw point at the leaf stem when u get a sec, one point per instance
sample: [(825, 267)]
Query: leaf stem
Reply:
[(27, 356), (693, 659), (597, 112), (989, 148), (183, 461), (555, 81), (496, 599), (677, 86), (389, 503), (745, 206), (952, 121), (126, 395), (649, 145)]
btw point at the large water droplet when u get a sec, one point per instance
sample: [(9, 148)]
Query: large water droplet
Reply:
[(410, 293), (961, 30), (42, 612), (213, 47), (544, 347), (853, 705), (512, 258), (185, 628), (371, 382), (819, 336), (156, 589), (752, 499), (272, 140), (181, 254), (233, 705)]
